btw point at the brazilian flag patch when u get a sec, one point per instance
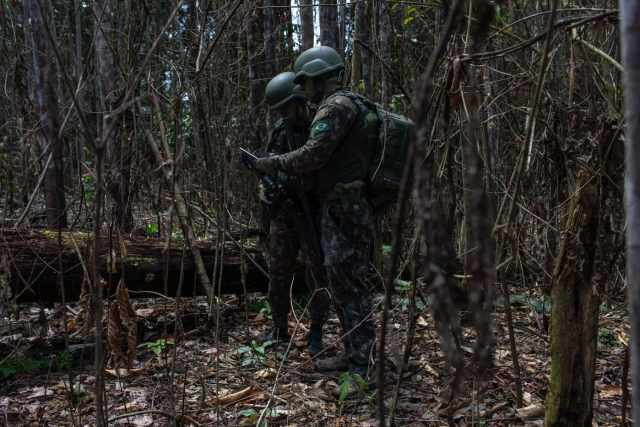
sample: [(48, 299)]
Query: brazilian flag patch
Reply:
[(320, 127)]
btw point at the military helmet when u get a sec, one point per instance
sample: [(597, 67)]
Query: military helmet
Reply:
[(317, 61), (281, 89)]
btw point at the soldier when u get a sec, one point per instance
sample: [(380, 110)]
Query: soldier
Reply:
[(290, 227), (339, 152)]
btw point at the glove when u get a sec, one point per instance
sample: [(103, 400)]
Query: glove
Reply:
[(271, 191), (267, 165)]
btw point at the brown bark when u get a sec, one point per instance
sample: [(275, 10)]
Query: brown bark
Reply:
[(574, 318), (117, 141), (329, 29), (384, 35), (256, 73), (306, 22), (44, 71), (360, 79)]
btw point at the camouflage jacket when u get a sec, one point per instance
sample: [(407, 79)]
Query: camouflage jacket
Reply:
[(279, 142), (338, 149)]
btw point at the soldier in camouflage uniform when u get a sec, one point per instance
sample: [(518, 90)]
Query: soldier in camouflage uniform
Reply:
[(339, 154), (290, 229)]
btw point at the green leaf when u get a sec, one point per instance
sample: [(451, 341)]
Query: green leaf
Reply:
[(248, 413), (344, 391), (402, 285)]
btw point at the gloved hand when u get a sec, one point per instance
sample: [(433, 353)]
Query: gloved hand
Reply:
[(267, 165), (271, 190)]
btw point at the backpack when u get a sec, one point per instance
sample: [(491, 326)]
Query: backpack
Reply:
[(390, 158), (389, 155)]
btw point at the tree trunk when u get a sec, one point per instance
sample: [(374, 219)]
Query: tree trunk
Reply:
[(306, 21), (118, 146), (329, 24), (630, 35), (44, 70), (269, 31), (256, 86), (384, 34), (360, 80), (574, 319)]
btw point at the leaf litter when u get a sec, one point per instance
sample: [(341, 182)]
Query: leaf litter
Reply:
[(177, 374)]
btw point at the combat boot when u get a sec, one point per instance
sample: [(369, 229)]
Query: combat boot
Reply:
[(278, 333), (314, 340), (328, 364)]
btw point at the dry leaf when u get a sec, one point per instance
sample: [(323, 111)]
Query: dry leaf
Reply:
[(123, 328), (421, 321), (265, 373), (610, 390), (531, 411), (233, 397), (123, 372)]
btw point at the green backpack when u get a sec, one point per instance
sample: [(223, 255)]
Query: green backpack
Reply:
[(391, 155)]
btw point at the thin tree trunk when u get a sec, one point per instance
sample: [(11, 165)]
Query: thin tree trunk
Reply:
[(269, 31), (630, 35), (306, 21), (574, 319), (360, 60), (329, 24), (44, 70), (256, 73), (384, 34)]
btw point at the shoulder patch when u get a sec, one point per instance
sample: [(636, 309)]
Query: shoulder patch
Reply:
[(320, 127)]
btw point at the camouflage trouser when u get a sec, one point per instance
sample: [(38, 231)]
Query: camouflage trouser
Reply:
[(285, 240), (347, 230)]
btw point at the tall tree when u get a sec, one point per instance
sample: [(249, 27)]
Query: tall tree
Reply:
[(630, 35), (306, 22), (360, 58), (384, 36), (255, 45), (44, 72), (329, 29)]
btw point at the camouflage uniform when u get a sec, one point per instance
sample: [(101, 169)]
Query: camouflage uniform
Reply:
[(337, 153), (286, 239)]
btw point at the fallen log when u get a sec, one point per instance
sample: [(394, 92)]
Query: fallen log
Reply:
[(31, 260)]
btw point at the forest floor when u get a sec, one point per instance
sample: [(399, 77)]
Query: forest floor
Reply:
[(191, 378)]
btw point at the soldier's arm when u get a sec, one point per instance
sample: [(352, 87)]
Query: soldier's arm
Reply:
[(330, 126)]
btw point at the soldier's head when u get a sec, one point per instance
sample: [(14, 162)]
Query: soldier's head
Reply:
[(320, 70), (287, 98)]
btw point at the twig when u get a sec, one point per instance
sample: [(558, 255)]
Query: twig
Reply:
[(200, 67), (34, 193), (135, 414), (420, 106)]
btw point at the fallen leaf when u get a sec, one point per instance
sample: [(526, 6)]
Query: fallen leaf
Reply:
[(39, 392), (265, 373), (123, 372), (610, 390), (233, 397), (212, 350), (421, 321), (531, 411)]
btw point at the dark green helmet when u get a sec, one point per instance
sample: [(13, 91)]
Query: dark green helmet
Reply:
[(281, 89), (317, 61)]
